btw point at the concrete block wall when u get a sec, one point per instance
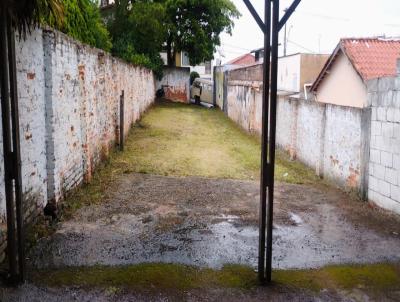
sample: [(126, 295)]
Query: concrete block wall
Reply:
[(309, 134), (328, 138), (384, 163), (69, 114), (343, 145), (243, 104)]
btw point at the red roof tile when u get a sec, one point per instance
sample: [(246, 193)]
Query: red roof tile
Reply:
[(372, 58), (245, 59)]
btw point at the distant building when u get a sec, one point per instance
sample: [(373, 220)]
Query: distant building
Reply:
[(182, 60), (243, 60), (107, 8), (297, 72), (343, 79), (258, 54)]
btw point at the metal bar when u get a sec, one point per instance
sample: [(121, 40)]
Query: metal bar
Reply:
[(272, 134), (121, 121), (255, 15), (7, 149), (16, 151), (264, 142), (214, 87), (288, 13)]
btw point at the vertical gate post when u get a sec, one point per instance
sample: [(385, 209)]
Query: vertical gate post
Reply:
[(272, 134), (121, 120), (7, 148), (11, 150), (16, 152), (264, 142), (268, 134)]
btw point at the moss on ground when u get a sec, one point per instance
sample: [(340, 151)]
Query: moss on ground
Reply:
[(175, 277)]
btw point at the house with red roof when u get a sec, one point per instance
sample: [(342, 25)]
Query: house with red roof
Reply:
[(243, 60), (355, 61)]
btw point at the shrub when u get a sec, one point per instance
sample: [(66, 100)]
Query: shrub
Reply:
[(193, 75)]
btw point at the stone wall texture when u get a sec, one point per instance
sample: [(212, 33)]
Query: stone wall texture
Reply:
[(69, 114), (384, 164)]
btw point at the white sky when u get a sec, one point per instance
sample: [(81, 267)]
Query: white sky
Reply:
[(316, 25)]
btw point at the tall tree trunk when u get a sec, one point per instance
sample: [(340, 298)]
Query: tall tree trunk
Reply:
[(170, 52)]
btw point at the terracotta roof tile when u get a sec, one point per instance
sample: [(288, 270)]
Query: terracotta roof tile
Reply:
[(245, 59), (372, 57)]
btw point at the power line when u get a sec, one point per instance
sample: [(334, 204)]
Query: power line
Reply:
[(301, 46), (323, 16), (232, 51), (237, 47)]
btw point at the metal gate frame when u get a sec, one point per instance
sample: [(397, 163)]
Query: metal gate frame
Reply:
[(12, 155), (270, 27)]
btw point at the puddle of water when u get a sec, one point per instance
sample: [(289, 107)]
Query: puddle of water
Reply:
[(129, 241)]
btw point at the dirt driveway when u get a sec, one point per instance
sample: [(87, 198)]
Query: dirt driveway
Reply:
[(212, 222), (132, 236)]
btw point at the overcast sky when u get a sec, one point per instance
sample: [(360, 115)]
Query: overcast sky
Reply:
[(317, 25)]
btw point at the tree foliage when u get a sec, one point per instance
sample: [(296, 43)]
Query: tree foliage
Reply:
[(141, 29), (137, 33), (25, 14), (193, 76), (83, 22), (194, 26)]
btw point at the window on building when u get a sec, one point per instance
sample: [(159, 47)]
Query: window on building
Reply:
[(185, 59), (207, 64)]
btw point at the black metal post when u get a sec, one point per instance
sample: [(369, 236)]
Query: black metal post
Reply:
[(272, 134), (16, 151), (264, 142), (121, 121), (255, 15), (7, 149), (270, 72)]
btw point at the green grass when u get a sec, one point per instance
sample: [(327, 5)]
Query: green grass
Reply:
[(159, 276), (183, 140)]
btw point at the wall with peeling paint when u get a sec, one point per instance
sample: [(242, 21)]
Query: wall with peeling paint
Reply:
[(384, 164), (176, 84), (69, 114), (328, 138)]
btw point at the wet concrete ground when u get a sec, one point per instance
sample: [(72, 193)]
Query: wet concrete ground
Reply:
[(30, 293), (212, 222)]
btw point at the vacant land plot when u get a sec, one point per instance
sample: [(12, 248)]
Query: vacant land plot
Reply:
[(174, 217)]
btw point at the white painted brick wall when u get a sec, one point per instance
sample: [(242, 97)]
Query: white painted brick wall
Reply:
[(69, 113)]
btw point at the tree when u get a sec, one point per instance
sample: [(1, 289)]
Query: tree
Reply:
[(83, 22), (138, 32), (194, 26), (25, 14)]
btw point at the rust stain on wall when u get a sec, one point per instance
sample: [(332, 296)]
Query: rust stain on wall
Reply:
[(30, 75), (353, 178), (176, 93)]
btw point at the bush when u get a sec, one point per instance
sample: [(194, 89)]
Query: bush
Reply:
[(193, 75)]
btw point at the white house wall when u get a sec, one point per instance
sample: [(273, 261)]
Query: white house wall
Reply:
[(289, 73), (342, 85)]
